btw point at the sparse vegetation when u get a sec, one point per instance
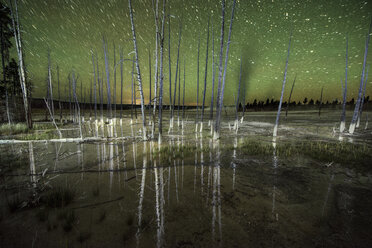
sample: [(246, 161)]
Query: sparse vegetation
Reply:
[(59, 197), (11, 129), (102, 215), (14, 202), (340, 152)]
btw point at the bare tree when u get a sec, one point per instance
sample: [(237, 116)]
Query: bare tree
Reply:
[(236, 125), (183, 93), (175, 79), (21, 71), (290, 95), (109, 108), (95, 95), (121, 84), (50, 85), (220, 96), (59, 97), (77, 103), (150, 100), (156, 17), (357, 105), (138, 71), (170, 67), (161, 75), (114, 96), (213, 79), (362, 100), (275, 132), (205, 79), (320, 102), (343, 114), (197, 89)]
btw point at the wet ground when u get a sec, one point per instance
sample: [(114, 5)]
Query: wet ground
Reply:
[(194, 192)]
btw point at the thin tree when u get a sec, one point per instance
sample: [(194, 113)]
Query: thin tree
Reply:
[(100, 90), (213, 79), (59, 96), (156, 19), (242, 119), (343, 114), (220, 103), (236, 125), (275, 132), (77, 103), (197, 89), (179, 95), (114, 96), (176, 76), (132, 93), (150, 87), (170, 67), (50, 85), (362, 103), (109, 109), (95, 95), (21, 71), (205, 79), (320, 102), (183, 93), (161, 81), (69, 96), (357, 105), (139, 79), (290, 95), (121, 85)]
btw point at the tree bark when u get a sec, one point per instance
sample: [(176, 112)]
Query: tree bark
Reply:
[(275, 132), (138, 72)]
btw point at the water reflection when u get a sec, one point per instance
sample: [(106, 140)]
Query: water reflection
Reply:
[(141, 195), (216, 194), (275, 165), (32, 164)]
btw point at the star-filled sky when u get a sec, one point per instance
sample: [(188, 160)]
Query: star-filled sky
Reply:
[(260, 35)]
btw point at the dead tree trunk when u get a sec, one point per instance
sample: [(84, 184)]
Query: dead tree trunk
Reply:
[(161, 82), (170, 68), (290, 95), (77, 103), (183, 93), (138, 71), (220, 104), (197, 90), (156, 16), (320, 102), (109, 109), (59, 97), (51, 104), (275, 132), (121, 83), (205, 79), (150, 87), (363, 96), (343, 114), (357, 105), (21, 72), (213, 79), (175, 79), (236, 125)]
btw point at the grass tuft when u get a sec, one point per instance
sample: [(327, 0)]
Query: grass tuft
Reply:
[(59, 197)]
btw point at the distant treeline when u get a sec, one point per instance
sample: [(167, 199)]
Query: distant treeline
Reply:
[(271, 104), (268, 105)]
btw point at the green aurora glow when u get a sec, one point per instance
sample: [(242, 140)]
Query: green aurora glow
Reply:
[(71, 28)]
